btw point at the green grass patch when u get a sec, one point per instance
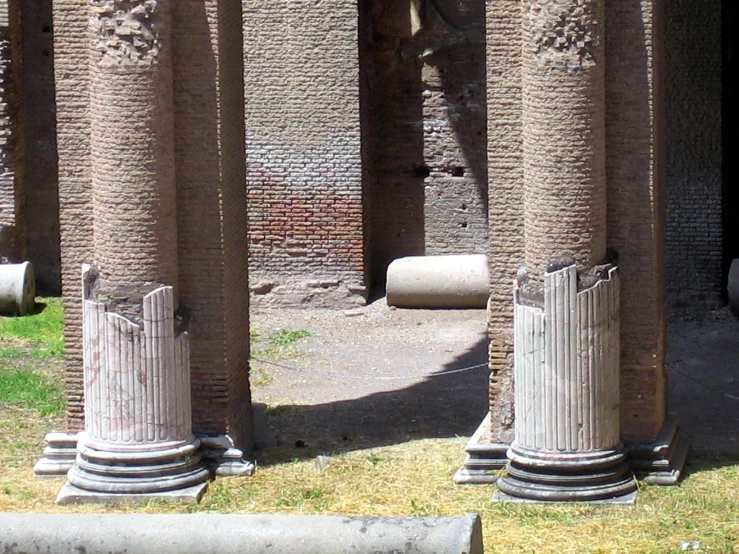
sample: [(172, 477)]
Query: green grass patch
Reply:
[(39, 336), (281, 344), (26, 389), (286, 337)]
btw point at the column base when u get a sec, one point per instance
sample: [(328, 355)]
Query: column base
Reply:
[(484, 460), (69, 494), (58, 456), (218, 453), (625, 500), (109, 475), (571, 477), (224, 459), (661, 462)]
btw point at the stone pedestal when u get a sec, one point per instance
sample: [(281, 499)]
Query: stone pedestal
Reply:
[(59, 456), (568, 442), (138, 436), (485, 458), (661, 462)]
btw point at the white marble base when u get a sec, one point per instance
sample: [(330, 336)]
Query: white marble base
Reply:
[(70, 494), (485, 459), (625, 500), (58, 456), (224, 459)]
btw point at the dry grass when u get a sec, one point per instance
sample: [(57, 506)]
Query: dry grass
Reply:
[(414, 479)]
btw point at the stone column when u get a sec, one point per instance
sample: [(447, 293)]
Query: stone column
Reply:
[(567, 442), (138, 439)]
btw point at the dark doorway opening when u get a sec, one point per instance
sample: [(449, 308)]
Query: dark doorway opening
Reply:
[(730, 135)]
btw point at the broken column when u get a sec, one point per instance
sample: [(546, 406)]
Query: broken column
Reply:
[(567, 442), (138, 439)]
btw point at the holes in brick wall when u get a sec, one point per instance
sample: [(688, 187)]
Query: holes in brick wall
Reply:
[(45, 52), (457, 171), (421, 171), (46, 29), (463, 225), (463, 207)]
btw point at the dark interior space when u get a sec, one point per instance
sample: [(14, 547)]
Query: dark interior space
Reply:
[(730, 120)]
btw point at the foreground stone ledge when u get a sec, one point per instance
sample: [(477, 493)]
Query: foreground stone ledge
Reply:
[(242, 534)]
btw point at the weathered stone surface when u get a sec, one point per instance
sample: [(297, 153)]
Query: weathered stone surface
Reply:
[(59, 455), (485, 459), (238, 534)]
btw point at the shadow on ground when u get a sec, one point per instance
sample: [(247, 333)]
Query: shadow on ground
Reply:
[(704, 386), (446, 404)]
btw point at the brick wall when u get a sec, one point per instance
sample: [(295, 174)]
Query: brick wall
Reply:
[(426, 103), (7, 173), (454, 125), (423, 141), (211, 212), (505, 167), (71, 56), (636, 205), (394, 164), (40, 171), (693, 94), (29, 206), (13, 223), (303, 149)]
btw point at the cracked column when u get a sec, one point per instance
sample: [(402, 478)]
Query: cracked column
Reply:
[(138, 441), (567, 442)]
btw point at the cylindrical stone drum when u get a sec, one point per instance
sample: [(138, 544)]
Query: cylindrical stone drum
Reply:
[(457, 281), (17, 289)]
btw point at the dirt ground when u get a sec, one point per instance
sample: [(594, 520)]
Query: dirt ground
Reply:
[(375, 376), (371, 376)]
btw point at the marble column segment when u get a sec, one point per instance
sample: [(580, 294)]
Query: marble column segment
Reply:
[(138, 438), (568, 445), (567, 442)]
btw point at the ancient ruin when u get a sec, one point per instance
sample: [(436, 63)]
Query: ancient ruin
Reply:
[(355, 135)]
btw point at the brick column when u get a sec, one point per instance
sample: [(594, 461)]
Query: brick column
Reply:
[(567, 442), (138, 426)]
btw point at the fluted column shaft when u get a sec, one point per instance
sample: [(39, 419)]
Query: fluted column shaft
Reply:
[(566, 356)]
